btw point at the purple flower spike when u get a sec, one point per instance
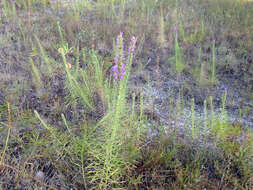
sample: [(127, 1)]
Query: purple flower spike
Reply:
[(119, 56), (132, 45), (226, 90), (115, 72), (119, 68), (115, 68), (175, 30), (119, 37), (122, 70)]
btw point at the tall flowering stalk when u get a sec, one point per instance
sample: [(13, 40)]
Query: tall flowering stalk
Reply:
[(121, 72), (113, 161), (119, 69), (119, 65), (131, 49)]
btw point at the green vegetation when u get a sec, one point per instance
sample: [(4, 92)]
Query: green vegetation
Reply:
[(71, 118)]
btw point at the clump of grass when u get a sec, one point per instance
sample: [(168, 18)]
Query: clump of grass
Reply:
[(161, 35), (37, 78), (194, 37), (178, 58), (83, 92), (47, 68), (8, 134)]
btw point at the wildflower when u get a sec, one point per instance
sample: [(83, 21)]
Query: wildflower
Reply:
[(122, 70), (225, 91), (119, 58), (115, 72), (119, 68), (175, 30), (132, 45)]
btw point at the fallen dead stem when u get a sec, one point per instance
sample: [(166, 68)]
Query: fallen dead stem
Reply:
[(2, 165)]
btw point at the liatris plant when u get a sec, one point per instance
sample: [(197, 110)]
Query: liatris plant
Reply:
[(111, 158), (119, 69)]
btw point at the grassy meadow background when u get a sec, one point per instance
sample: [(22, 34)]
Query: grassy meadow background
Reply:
[(126, 94)]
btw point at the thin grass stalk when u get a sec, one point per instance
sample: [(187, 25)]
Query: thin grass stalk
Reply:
[(223, 113), (141, 116), (205, 118), (66, 124), (224, 97), (158, 78), (44, 56), (133, 105), (213, 76), (44, 124), (183, 100), (20, 26), (8, 134), (178, 110), (83, 148), (38, 82), (29, 14), (77, 62), (193, 118), (62, 42), (212, 111)]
